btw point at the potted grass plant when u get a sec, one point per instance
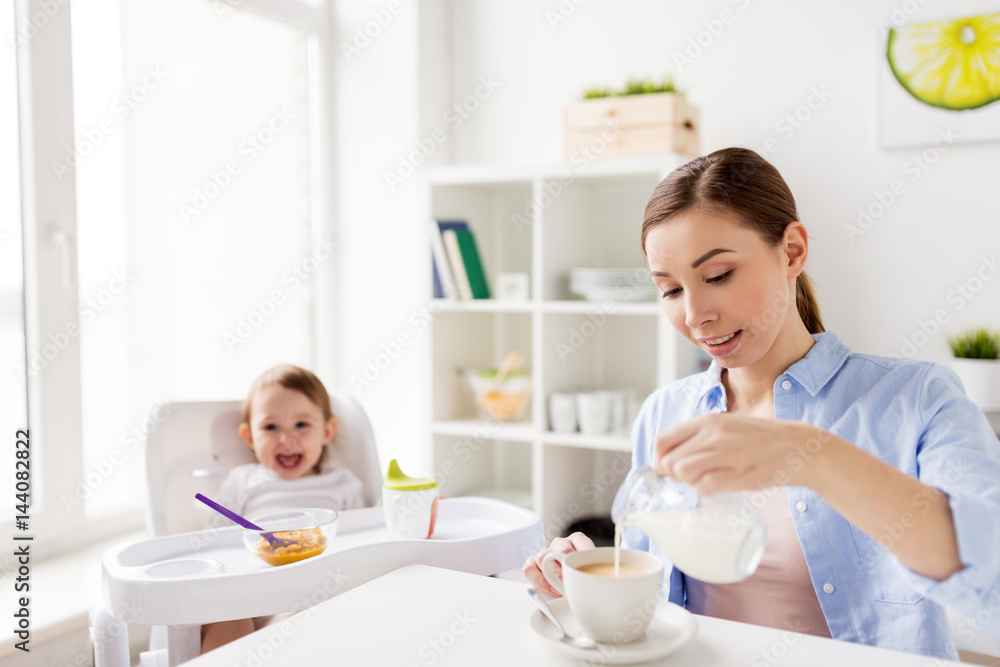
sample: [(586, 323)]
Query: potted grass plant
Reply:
[(977, 362), (642, 117)]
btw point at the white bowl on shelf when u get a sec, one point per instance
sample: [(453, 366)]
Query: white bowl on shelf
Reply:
[(612, 284)]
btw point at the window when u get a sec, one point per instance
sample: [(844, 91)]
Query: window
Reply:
[(191, 239), (12, 382)]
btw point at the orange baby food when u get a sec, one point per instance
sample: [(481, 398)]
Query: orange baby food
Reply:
[(297, 545)]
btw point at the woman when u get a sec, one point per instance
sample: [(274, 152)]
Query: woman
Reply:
[(880, 479)]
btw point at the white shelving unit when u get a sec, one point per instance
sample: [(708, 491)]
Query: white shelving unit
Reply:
[(544, 221)]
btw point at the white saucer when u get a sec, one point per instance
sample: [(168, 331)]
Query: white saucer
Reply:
[(671, 628)]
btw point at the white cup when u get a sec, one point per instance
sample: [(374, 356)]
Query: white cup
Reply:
[(610, 610), (594, 412), (562, 412), (410, 514)]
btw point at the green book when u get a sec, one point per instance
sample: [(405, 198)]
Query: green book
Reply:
[(473, 264)]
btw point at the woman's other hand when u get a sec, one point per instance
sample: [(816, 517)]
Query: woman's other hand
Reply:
[(532, 569)]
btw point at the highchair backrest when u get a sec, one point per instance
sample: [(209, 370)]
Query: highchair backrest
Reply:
[(194, 444)]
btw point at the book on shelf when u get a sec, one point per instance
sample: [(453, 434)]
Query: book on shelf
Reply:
[(457, 265), (473, 263), (438, 290), (444, 279)]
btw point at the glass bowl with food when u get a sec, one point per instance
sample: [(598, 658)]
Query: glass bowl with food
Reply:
[(288, 536), (503, 399)]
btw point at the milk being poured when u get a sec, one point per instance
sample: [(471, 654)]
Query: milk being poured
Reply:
[(718, 538), (712, 547)]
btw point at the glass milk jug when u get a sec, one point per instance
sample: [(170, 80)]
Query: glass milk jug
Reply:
[(717, 539)]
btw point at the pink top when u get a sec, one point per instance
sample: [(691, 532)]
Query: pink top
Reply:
[(780, 593)]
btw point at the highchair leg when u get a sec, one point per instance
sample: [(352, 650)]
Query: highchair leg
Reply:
[(183, 643), (109, 637)]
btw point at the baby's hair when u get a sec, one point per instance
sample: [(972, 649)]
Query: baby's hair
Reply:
[(742, 184), (297, 379)]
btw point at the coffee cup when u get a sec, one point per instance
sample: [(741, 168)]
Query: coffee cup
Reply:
[(615, 610), (409, 504)]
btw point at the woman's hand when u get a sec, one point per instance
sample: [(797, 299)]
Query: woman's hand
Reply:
[(727, 452), (532, 569)]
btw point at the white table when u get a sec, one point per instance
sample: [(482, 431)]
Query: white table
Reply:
[(418, 616)]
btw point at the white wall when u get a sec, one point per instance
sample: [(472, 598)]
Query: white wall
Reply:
[(763, 65), (382, 251)]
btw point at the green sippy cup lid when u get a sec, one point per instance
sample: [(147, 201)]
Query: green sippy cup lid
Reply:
[(397, 481)]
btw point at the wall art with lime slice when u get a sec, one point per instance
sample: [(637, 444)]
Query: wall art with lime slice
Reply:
[(949, 64)]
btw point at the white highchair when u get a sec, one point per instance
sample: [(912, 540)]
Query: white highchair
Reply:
[(192, 448), (183, 578)]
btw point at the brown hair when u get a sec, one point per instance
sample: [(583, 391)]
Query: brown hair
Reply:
[(297, 379), (741, 183)]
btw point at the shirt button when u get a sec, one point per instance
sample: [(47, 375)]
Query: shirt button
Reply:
[(786, 385), (827, 588), (800, 506)]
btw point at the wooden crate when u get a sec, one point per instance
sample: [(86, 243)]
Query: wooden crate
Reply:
[(632, 125)]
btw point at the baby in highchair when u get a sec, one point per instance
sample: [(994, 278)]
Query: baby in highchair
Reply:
[(288, 422)]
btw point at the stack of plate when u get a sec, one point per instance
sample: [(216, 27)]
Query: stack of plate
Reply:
[(612, 284)]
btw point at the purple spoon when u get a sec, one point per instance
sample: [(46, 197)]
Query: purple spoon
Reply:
[(233, 516)]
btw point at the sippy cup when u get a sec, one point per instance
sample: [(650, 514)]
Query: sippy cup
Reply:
[(409, 504), (717, 539)]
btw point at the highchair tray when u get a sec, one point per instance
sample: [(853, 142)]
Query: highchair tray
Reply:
[(209, 575)]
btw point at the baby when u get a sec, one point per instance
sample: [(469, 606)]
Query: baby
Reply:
[(287, 421)]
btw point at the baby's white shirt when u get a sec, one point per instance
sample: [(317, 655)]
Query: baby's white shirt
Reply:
[(254, 489)]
